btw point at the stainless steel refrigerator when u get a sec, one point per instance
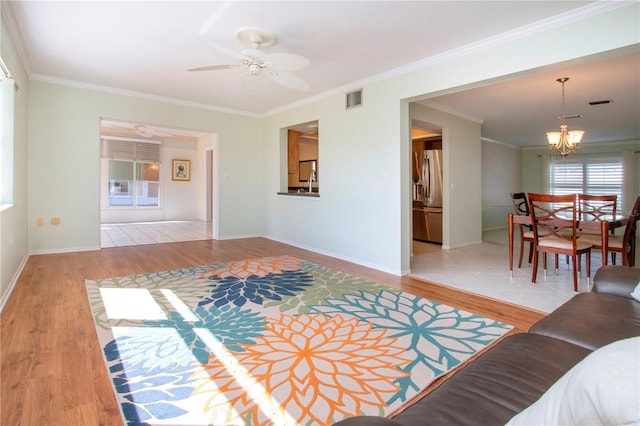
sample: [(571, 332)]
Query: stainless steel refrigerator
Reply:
[(427, 195)]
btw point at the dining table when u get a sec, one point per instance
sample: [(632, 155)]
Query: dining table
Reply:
[(603, 226)]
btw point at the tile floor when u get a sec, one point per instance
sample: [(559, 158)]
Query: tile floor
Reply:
[(484, 269), (129, 234), (481, 268)]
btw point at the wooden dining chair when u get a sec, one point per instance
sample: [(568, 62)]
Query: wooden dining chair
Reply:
[(626, 243), (521, 206), (595, 208), (555, 231)]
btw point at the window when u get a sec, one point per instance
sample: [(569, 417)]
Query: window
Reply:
[(595, 176), (133, 184), (7, 142), (134, 173)]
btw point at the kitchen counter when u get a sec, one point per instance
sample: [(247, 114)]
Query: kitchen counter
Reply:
[(300, 194)]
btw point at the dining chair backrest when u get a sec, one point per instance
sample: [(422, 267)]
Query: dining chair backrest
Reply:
[(597, 207), (553, 216), (629, 236), (520, 203)]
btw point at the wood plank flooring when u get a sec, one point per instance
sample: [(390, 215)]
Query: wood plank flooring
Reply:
[(52, 368)]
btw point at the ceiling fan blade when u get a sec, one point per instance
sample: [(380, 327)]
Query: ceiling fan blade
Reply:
[(214, 68), (157, 132), (291, 81), (287, 61)]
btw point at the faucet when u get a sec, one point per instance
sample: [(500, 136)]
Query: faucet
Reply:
[(312, 178)]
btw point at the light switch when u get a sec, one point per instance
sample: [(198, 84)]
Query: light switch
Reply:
[(39, 221), (55, 220)]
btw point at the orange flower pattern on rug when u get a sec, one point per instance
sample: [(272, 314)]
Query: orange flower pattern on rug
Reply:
[(256, 267), (320, 368)]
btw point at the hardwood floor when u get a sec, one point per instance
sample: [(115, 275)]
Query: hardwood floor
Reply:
[(52, 367)]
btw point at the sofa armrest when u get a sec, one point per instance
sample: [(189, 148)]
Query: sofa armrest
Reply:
[(616, 280)]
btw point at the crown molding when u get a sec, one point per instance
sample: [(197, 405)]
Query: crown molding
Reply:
[(134, 94), (16, 36)]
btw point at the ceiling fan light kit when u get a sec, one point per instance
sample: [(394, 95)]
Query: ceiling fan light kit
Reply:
[(564, 141), (256, 63)]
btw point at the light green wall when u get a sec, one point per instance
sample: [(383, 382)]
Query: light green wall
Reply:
[(64, 159)]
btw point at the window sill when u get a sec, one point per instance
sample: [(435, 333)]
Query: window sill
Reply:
[(4, 207)]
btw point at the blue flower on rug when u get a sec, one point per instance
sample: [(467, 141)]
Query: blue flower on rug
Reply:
[(256, 289), (160, 356), (149, 391), (230, 325), (440, 336)]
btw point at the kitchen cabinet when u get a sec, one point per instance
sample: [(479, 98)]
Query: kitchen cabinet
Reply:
[(293, 152)]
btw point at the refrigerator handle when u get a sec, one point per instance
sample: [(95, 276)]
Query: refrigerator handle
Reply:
[(427, 177)]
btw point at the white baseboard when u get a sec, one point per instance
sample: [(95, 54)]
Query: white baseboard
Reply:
[(14, 280), (337, 256)]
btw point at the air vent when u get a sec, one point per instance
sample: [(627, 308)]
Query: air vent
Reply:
[(354, 99), (603, 102)]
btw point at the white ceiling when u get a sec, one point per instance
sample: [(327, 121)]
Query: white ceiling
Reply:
[(145, 47)]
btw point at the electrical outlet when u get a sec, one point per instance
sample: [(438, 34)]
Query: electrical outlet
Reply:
[(39, 221), (55, 220)]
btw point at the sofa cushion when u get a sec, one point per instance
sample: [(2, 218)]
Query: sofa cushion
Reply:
[(602, 389), (503, 381), (592, 320)]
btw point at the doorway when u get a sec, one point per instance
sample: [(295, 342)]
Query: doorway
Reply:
[(141, 201), (427, 183)]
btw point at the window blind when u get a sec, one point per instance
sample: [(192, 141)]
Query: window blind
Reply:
[(144, 152), (595, 176)]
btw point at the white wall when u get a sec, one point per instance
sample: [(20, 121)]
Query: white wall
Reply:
[(13, 218), (64, 161)]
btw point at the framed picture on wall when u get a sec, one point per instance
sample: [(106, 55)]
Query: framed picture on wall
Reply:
[(181, 170)]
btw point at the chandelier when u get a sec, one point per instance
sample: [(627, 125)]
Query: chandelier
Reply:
[(564, 141)]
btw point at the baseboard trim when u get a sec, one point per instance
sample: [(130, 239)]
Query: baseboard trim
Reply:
[(14, 280), (336, 256)]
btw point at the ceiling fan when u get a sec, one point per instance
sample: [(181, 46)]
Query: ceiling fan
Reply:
[(256, 63)]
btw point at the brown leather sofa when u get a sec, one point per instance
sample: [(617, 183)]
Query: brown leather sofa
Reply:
[(517, 371)]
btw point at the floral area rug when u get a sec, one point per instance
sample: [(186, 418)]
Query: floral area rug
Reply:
[(273, 341)]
